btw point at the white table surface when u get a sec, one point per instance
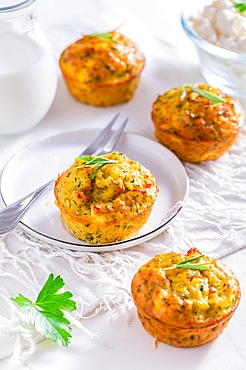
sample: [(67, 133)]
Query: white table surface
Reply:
[(122, 342)]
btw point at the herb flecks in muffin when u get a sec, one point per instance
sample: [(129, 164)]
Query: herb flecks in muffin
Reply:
[(102, 69), (196, 128), (110, 207), (182, 307)]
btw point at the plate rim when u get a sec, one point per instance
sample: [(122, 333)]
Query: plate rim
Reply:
[(97, 247)]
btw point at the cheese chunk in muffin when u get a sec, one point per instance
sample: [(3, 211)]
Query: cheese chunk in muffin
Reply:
[(102, 69), (181, 306), (194, 127), (105, 204)]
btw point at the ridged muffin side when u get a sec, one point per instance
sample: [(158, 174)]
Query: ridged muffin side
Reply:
[(102, 69), (185, 307), (195, 128)]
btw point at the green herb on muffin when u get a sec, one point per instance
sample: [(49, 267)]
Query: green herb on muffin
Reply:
[(187, 264), (207, 95), (105, 36), (99, 162)]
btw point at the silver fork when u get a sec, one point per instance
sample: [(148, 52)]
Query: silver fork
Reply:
[(104, 143)]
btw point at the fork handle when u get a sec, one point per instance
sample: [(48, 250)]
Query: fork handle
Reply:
[(12, 214)]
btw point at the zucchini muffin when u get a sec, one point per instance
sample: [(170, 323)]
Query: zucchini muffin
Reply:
[(181, 306), (194, 127), (105, 199), (102, 69)]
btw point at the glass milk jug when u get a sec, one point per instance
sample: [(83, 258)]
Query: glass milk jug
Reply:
[(28, 72)]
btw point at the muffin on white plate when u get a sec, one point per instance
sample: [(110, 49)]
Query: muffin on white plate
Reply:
[(105, 199)]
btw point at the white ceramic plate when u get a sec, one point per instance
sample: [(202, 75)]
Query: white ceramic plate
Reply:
[(42, 160)]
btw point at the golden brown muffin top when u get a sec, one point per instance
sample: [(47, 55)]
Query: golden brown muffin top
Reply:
[(187, 114), (118, 189), (102, 59), (185, 298)]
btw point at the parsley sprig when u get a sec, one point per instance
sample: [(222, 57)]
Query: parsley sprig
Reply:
[(46, 313), (207, 95), (187, 264), (97, 162), (240, 6)]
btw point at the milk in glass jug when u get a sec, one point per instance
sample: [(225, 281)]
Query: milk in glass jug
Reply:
[(28, 72)]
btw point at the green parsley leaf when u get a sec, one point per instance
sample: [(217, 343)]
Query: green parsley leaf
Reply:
[(99, 162), (105, 36), (240, 6), (207, 95), (186, 264), (46, 312)]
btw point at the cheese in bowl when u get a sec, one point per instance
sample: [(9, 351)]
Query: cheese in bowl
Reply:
[(105, 199), (185, 300), (102, 69), (217, 29)]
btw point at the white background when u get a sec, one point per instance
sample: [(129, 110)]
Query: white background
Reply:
[(170, 60)]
